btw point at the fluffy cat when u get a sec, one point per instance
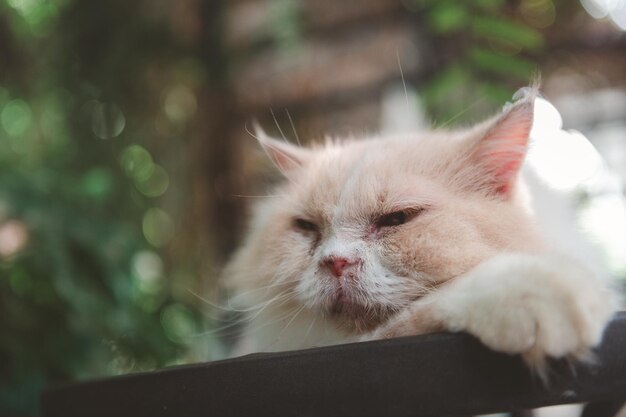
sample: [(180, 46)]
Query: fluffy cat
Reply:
[(407, 235)]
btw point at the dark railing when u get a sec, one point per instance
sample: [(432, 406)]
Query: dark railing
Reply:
[(432, 375)]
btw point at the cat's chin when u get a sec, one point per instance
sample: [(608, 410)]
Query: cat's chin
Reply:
[(357, 317)]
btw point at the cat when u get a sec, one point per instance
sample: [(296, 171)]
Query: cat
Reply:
[(393, 236)]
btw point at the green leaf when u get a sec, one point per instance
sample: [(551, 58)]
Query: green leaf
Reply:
[(446, 82), (496, 93), (506, 30), (492, 5), (16, 117), (508, 66), (448, 17), (97, 183), (286, 23)]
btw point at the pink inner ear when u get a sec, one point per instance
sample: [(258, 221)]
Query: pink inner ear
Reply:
[(284, 160), (285, 156), (502, 150), (505, 178)]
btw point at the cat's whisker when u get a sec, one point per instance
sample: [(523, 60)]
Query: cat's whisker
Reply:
[(243, 319), (229, 308), (262, 306), (285, 296), (308, 331), (406, 94), (282, 296), (278, 125), (462, 112), (271, 322), (255, 136), (265, 288), (293, 127), (289, 323), (249, 132), (273, 284), (207, 302), (220, 329), (288, 178), (232, 303)]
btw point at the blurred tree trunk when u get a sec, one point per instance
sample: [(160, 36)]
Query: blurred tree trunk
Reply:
[(212, 220)]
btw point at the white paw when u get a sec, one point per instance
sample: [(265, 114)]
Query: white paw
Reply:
[(539, 307)]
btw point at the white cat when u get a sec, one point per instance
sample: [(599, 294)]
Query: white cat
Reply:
[(407, 235)]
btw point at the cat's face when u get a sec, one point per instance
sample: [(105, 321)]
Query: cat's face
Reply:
[(361, 229)]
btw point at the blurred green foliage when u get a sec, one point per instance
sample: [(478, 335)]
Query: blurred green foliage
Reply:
[(492, 49), (83, 285)]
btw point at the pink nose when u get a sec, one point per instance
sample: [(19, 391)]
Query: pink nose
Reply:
[(337, 264)]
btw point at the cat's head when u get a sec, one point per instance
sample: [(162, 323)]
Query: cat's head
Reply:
[(359, 229)]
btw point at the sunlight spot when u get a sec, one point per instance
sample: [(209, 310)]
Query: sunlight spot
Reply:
[(148, 281), (178, 323), (98, 182), (158, 227), (16, 117), (13, 238), (604, 219), (180, 104), (155, 184), (137, 162), (563, 159), (107, 120), (613, 9), (538, 13), (595, 8), (147, 266), (568, 162), (24, 7)]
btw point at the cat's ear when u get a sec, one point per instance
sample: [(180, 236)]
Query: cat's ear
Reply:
[(501, 147), (285, 156)]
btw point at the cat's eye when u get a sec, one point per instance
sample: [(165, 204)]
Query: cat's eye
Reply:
[(396, 218), (393, 219), (305, 225)]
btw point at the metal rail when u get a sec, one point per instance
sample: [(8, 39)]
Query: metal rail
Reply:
[(432, 375)]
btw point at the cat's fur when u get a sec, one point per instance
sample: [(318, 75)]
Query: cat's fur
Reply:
[(326, 260)]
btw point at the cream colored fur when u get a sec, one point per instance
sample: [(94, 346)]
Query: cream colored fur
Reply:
[(478, 257)]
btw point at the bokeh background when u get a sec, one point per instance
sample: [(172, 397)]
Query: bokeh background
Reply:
[(126, 168)]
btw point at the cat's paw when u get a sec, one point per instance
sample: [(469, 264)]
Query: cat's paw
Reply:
[(418, 318), (535, 306)]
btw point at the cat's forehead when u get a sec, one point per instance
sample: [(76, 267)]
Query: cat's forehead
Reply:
[(361, 178)]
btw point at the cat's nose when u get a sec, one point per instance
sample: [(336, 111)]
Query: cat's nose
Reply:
[(337, 264)]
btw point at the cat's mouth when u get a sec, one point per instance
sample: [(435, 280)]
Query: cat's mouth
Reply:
[(350, 310), (346, 304)]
